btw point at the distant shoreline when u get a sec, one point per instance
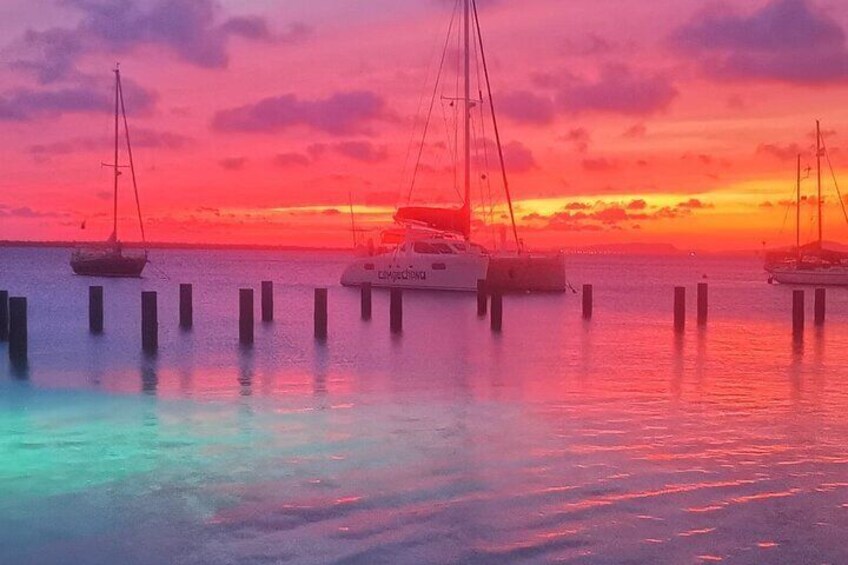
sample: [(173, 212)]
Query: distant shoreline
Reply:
[(176, 245), (601, 249)]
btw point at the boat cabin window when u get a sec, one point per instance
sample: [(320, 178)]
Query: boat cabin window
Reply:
[(425, 248), (443, 248)]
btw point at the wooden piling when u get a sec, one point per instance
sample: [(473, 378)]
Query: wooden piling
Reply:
[(95, 309), (496, 316), (267, 301), (588, 301), (679, 308), (798, 312), (396, 310), (246, 316), (482, 298), (149, 322), (4, 315), (365, 296), (703, 303), (320, 315), (820, 306), (18, 339), (186, 306)]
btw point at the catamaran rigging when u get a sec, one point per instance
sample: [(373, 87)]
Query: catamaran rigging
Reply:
[(427, 231)]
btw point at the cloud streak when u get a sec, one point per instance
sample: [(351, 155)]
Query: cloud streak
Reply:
[(339, 114), (784, 40)]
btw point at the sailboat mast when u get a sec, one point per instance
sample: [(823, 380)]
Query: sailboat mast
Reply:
[(818, 179), (467, 105), (798, 208), (115, 162)]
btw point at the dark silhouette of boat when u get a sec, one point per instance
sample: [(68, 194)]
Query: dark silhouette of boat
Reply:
[(109, 259)]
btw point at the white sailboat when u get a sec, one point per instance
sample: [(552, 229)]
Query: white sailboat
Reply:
[(431, 248), (809, 264)]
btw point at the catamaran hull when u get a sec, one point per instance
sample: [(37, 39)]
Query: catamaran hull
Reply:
[(438, 272), (527, 273), (834, 277), (128, 267)]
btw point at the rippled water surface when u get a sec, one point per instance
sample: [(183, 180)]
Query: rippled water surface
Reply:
[(558, 440)]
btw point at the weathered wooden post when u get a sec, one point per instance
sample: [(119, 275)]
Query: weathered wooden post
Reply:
[(482, 298), (95, 309), (703, 303), (798, 312), (246, 316), (18, 341), (267, 301), (396, 310), (4, 315), (497, 312), (320, 316), (588, 301), (186, 306), (149, 322), (365, 295), (679, 308), (821, 301)]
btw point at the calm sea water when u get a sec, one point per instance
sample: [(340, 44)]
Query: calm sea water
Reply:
[(605, 442)]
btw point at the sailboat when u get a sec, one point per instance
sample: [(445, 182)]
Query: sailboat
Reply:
[(809, 264), (430, 247), (109, 259)]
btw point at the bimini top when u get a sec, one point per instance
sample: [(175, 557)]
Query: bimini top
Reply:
[(456, 220)]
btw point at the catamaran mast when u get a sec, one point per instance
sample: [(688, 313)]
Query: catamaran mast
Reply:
[(115, 162), (818, 180), (798, 208), (467, 106)]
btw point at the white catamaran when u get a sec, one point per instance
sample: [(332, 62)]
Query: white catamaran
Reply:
[(431, 248), (810, 264), (109, 259)]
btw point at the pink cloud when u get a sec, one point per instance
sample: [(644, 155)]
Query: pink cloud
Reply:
[(783, 40), (339, 114)]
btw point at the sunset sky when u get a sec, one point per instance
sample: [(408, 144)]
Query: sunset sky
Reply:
[(258, 121)]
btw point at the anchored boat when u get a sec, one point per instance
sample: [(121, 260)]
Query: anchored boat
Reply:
[(431, 247), (810, 264), (109, 259)]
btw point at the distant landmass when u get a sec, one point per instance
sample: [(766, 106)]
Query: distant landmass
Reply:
[(631, 248), (175, 245)]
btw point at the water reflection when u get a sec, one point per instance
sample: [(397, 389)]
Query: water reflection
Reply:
[(245, 378), (796, 365), (320, 368), (149, 374), (447, 432), (19, 368), (678, 363)]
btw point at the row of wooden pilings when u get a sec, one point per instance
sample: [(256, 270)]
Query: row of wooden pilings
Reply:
[(13, 312)]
